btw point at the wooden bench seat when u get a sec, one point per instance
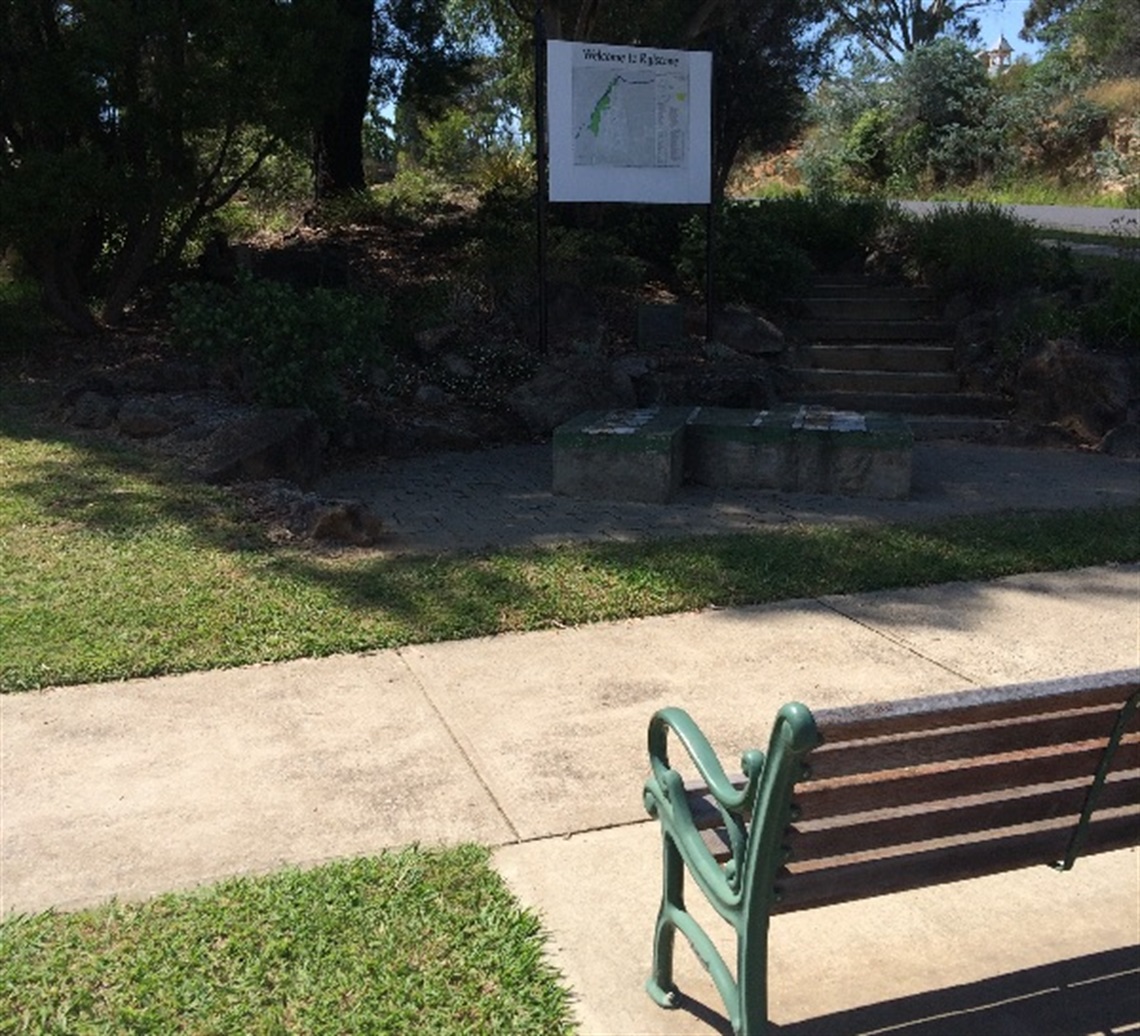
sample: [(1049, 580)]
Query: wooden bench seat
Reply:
[(872, 799)]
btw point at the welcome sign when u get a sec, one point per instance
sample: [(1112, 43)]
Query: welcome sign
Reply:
[(629, 124)]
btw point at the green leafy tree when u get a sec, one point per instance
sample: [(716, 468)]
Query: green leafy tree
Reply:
[(1102, 33), (894, 28), (423, 62), (924, 121), (124, 126)]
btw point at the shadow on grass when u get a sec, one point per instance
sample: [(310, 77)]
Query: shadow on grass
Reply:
[(465, 595), (114, 490), (315, 604)]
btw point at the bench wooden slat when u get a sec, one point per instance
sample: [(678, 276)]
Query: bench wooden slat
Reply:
[(867, 756), (859, 880), (948, 781), (881, 719), (883, 829), (887, 828)]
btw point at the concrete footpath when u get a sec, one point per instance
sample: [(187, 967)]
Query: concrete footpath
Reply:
[(534, 744)]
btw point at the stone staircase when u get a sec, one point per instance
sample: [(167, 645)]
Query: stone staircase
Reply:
[(868, 346)]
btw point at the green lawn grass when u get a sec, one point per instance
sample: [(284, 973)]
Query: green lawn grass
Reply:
[(409, 942), (112, 566)]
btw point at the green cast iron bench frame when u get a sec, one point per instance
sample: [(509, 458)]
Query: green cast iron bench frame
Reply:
[(862, 801)]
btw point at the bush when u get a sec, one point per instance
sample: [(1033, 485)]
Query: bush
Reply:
[(981, 251), (294, 349), (767, 250), (22, 318), (1112, 319), (752, 262)]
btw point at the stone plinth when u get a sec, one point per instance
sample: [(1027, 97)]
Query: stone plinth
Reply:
[(621, 454), (801, 449), (739, 448), (645, 454)]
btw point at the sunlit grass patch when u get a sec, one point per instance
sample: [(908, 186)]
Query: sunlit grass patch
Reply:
[(411, 941)]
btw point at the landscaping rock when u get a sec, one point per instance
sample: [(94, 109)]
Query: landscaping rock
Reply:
[(266, 444), (1065, 383), (1122, 441), (747, 332), (289, 514), (563, 389), (345, 521), (94, 410), (143, 419)]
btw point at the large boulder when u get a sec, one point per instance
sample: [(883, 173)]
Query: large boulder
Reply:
[(267, 444), (1085, 391), (747, 332), (562, 389)]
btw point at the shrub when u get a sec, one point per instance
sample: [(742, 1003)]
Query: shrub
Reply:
[(982, 251), (752, 262), (295, 349), (22, 318), (1111, 320)]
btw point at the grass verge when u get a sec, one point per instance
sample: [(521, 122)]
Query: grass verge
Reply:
[(111, 566), (412, 941)]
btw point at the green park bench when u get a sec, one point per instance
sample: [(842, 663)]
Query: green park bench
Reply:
[(862, 801)]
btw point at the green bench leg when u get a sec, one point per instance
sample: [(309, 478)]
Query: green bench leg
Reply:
[(660, 984)]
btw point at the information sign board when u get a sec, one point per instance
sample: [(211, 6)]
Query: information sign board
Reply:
[(629, 124)]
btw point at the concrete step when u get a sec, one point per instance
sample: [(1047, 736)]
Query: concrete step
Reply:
[(814, 378), (872, 330), (903, 356), (964, 427), (834, 287), (869, 307), (933, 404)]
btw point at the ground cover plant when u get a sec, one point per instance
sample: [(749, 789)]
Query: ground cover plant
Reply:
[(411, 941), (114, 565)]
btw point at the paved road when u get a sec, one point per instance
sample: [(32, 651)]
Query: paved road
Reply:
[(1060, 217)]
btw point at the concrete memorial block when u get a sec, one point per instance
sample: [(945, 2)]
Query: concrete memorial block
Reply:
[(842, 453), (801, 449), (646, 454), (740, 448), (621, 454)]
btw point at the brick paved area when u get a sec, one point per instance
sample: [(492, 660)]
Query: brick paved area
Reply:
[(502, 497)]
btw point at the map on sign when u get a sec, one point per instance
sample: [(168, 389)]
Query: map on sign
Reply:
[(636, 117), (631, 124)]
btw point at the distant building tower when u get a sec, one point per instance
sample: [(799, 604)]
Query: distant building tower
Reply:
[(997, 58)]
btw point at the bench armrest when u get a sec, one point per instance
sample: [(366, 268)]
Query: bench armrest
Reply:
[(708, 766), (666, 798)]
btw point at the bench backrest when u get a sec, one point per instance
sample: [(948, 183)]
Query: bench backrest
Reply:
[(921, 792)]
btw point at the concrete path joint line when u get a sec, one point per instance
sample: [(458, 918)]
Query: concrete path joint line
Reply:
[(442, 717), (899, 642)]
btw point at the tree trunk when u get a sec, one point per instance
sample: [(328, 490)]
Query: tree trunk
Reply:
[(62, 296), (339, 157)]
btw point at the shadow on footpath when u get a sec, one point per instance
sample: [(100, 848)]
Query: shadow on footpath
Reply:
[(1096, 994)]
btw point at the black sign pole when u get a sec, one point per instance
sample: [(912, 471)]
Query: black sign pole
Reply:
[(710, 208), (540, 166)]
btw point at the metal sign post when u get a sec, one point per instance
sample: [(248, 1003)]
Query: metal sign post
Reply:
[(542, 194)]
